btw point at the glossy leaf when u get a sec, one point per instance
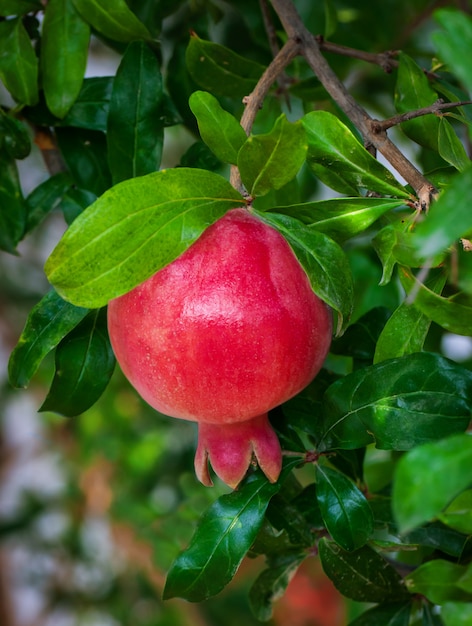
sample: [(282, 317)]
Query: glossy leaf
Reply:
[(451, 315), (90, 108), (429, 477), (44, 198), (448, 218), (12, 210), (457, 613), (393, 614), (323, 260), (223, 537), (84, 365), (341, 162), (19, 7), (398, 403), (413, 91), (450, 146), (221, 132), (340, 218), (113, 19), (362, 575), (62, 74), (344, 508), (219, 70), (406, 330), (48, 323), (272, 160), (272, 583), (454, 42), (135, 132), (14, 137), (96, 259), (437, 536), (18, 62), (438, 580)]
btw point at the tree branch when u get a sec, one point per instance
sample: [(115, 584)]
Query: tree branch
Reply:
[(435, 108)]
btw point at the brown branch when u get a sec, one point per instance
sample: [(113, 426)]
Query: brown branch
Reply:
[(435, 108), (385, 60)]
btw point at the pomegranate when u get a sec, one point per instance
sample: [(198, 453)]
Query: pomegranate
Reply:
[(227, 331)]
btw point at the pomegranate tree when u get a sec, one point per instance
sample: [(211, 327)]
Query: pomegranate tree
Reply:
[(226, 332)]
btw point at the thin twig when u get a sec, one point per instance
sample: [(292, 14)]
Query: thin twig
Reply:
[(435, 108), (385, 60)]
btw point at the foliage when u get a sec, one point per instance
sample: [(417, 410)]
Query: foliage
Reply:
[(376, 481)]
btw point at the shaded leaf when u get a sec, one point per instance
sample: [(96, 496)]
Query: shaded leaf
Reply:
[(360, 339), (394, 614), (14, 137), (19, 7), (18, 62), (44, 198), (429, 477), (96, 259), (84, 365), (450, 146), (47, 324), (12, 210), (112, 18), (90, 108), (135, 132)]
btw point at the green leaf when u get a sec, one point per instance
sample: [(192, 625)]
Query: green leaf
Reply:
[(62, 74), (398, 404), (341, 162), (18, 62), (406, 330), (135, 132), (44, 198), (457, 613), (219, 70), (454, 42), (224, 534), (90, 108), (12, 210), (221, 132), (48, 323), (438, 581), (112, 18), (360, 339), (458, 514), (450, 146), (19, 7), (393, 614), (14, 137), (362, 575), (448, 218), (323, 260), (413, 91), (452, 316), (97, 260), (84, 365), (272, 583), (345, 510), (272, 160), (429, 477), (340, 218)]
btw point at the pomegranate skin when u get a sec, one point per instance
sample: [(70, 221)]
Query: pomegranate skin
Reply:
[(224, 333)]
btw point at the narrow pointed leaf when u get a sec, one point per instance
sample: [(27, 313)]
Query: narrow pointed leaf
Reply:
[(272, 160), (323, 260), (341, 162), (48, 323), (18, 62), (84, 365), (97, 259), (450, 146), (391, 614), (362, 575), (12, 210), (62, 74), (112, 18), (221, 132), (14, 137), (345, 510), (135, 132), (429, 477), (398, 404)]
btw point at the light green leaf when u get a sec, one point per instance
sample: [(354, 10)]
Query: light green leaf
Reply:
[(457, 613), (438, 581), (454, 42), (133, 230), (112, 18), (458, 514), (450, 146)]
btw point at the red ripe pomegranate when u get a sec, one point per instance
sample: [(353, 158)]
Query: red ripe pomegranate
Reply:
[(227, 331)]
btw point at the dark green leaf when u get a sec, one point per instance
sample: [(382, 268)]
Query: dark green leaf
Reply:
[(360, 339), (18, 62), (221, 132), (450, 146), (438, 537), (323, 260), (135, 132), (344, 508), (272, 583), (112, 18), (48, 323), (429, 477), (438, 580), (74, 202), (340, 218), (398, 403), (362, 575), (84, 365), (272, 160), (394, 614), (14, 137), (62, 74), (454, 42), (224, 535), (45, 198), (19, 7), (457, 613), (97, 259), (219, 70), (12, 210), (341, 162), (90, 109)]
